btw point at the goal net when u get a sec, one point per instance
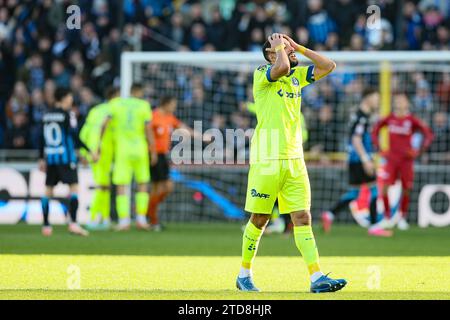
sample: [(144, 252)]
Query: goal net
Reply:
[(214, 91)]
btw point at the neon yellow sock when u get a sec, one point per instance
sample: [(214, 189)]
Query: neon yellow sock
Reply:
[(105, 204), (123, 206), (141, 203), (94, 208), (250, 242), (304, 239)]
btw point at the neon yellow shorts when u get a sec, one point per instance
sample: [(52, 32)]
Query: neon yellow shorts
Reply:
[(101, 170), (286, 180), (126, 167)]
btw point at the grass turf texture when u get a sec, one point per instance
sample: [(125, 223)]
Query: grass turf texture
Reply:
[(200, 261)]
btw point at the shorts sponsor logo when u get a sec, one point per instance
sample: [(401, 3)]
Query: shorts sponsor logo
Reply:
[(256, 194)]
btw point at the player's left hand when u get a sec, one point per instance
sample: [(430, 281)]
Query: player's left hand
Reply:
[(42, 165), (293, 44), (153, 158), (414, 154), (95, 156)]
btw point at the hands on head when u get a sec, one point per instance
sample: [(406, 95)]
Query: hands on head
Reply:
[(277, 39)]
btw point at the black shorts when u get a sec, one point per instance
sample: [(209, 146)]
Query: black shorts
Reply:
[(61, 173), (357, 175), (160, 171)]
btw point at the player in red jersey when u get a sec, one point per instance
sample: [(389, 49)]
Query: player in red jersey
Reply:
[(401, 125)]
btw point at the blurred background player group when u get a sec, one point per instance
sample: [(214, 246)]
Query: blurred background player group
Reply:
[(397, 161), (118, 141)]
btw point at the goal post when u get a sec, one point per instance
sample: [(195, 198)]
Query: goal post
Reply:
[(215, 88)]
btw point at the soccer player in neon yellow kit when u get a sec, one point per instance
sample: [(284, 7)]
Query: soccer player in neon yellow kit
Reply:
[(277, 166), (133, 141), (90, 134)]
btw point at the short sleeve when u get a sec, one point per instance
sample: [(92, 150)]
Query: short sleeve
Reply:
[(305, 75), (261, 77), (359, 127), (176, 123)]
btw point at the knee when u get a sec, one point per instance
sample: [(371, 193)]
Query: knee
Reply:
[(260, 220), (301, 218), (169, 187), (120, 190), (103, 188), (143, 187)]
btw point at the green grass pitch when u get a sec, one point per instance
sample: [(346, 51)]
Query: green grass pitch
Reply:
[(200, 261)]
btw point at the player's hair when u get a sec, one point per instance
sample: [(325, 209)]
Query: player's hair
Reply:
[(61, 93), (266, 45), (368, 91), (166, 100), (111, 91), (400, 93), (136, 87)]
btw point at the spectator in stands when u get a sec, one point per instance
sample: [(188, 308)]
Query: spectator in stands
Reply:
[(423, 100), (413, 26), (19, 101), (216, 30), (60, 74), (37, 110), (319, 24), (87, 100), (432, 19), (443, 38), (18, 134), (49, 92), (344, 13), (6, 24), (33, 73), (197, 37), (176, 31)]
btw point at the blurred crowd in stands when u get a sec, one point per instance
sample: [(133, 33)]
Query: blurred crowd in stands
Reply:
[(39, 53)]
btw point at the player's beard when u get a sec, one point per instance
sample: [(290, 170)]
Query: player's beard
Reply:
[(293, 63)]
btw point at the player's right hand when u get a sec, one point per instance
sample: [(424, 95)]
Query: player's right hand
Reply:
[(369, 168), (42, 165), (275, 40)]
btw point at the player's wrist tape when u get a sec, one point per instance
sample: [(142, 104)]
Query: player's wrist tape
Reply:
[(301, 49), (279, 47)]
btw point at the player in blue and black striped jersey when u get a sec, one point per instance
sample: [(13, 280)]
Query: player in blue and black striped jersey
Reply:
[(361, 168), (58, 158)]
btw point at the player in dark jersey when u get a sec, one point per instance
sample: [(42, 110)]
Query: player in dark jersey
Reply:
[(361, 168), (58, 158)]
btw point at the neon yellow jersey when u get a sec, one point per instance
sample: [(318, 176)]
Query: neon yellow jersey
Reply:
[(129, 118), (278, 134), (251, 106), (90, 132)]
